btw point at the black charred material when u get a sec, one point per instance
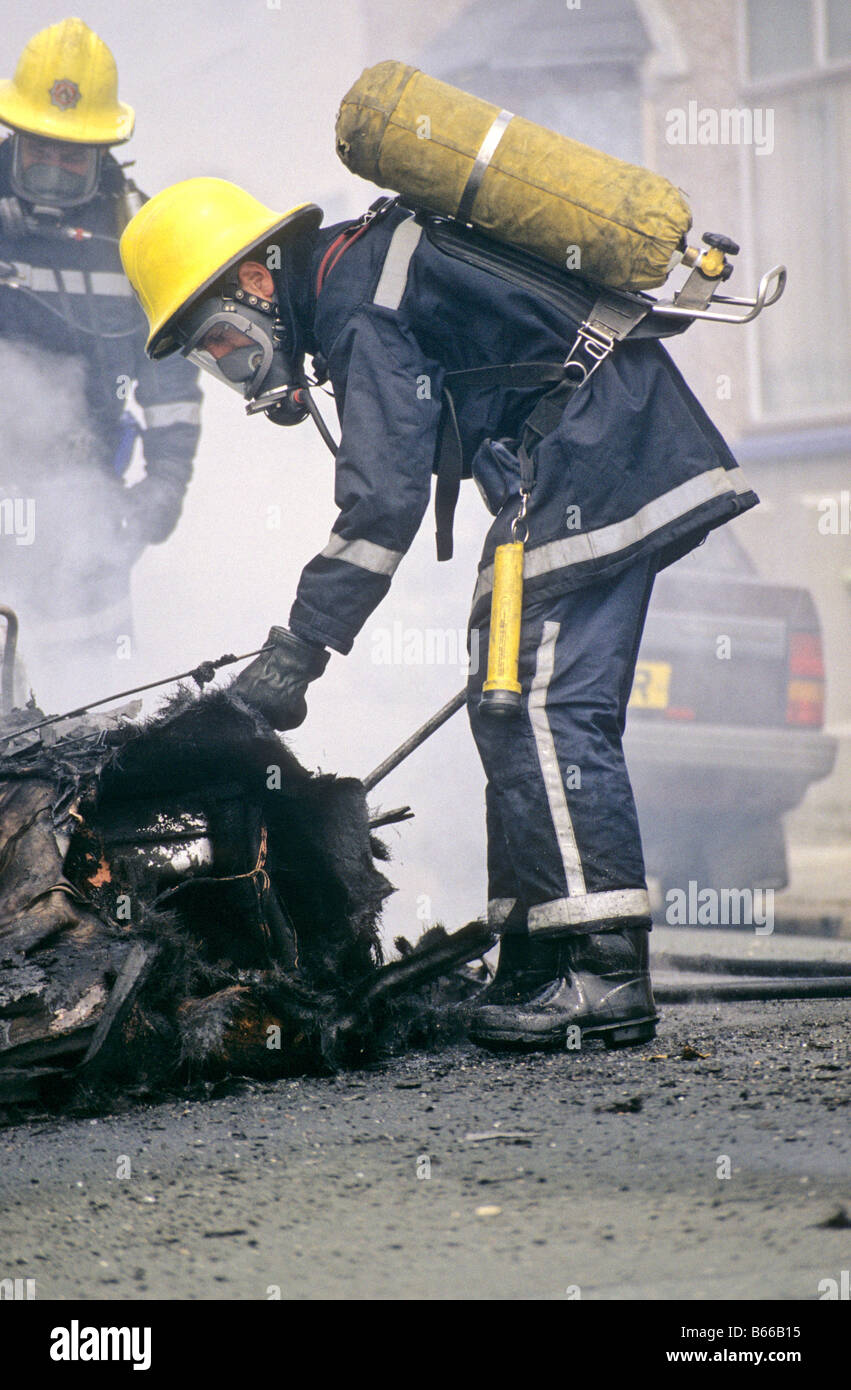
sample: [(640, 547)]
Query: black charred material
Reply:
[(181, 899)]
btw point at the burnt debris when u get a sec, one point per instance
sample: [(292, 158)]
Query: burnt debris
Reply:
[(181, 899)]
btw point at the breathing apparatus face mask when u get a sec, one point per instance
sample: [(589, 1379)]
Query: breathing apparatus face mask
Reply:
[(56, 173), (237, 338)]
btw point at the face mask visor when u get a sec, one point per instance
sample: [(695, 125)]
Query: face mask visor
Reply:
[(230, 343), (54, 173)]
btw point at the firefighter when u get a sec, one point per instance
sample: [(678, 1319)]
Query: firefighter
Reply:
[(631, 476), (71, 348)]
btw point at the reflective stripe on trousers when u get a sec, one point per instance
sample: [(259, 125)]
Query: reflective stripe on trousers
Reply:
[(563, 836)]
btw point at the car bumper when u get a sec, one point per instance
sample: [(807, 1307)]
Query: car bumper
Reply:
[(682, 765)]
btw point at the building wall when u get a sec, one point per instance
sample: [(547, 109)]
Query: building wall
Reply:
[(696, 61), (798, 480)]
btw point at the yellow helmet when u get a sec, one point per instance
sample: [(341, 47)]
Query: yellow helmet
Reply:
[(66, 88), (185, 238)]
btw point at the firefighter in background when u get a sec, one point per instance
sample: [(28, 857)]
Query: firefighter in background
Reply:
[(244, 291), (71, 349)]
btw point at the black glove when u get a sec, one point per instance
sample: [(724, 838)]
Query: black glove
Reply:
[(276, 680), (152, 509)]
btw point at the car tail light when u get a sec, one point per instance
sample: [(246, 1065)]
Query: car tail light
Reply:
[(805, 688), (805, 655)]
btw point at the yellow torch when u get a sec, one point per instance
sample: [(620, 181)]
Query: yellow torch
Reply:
[(501, 690)]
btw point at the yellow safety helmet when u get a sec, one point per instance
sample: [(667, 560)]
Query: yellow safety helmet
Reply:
[(187, 236), (66, 88)]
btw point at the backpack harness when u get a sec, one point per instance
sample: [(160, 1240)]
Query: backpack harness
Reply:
[(605, 317)]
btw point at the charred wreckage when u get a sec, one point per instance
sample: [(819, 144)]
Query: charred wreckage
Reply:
[(181, 899)]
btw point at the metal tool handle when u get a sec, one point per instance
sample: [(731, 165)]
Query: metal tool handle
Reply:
[(425, 731), (7, 688)]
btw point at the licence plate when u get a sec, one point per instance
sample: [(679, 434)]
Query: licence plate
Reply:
[(651, 685)]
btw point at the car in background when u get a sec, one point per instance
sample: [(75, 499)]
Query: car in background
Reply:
[(725, 725)]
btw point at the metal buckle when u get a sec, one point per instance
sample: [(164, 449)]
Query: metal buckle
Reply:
[(596, 343), (521, 517)]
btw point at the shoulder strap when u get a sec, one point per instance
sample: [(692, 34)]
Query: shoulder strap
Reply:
[(349, 236), (611, 318), (450, 471)]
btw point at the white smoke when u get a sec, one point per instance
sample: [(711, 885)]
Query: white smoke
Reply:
[(60, 515), (42, 406)]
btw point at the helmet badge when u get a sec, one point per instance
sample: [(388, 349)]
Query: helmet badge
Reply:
[(64, 93)]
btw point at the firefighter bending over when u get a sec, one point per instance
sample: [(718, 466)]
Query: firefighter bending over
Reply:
[(627, 476)]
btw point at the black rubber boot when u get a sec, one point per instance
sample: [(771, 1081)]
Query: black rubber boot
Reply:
[(524, 967), (599, 982)]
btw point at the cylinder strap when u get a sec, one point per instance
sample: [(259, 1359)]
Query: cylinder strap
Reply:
[(487, 150)]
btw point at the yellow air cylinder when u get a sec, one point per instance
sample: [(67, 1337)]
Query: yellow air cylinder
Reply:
[(501, 690), (451, 153)]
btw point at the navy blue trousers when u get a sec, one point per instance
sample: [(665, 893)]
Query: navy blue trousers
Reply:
[(564, 848)]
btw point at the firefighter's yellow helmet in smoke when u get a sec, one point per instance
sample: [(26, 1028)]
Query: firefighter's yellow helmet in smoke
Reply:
[(65, 87), (186, 237), (452, 153)]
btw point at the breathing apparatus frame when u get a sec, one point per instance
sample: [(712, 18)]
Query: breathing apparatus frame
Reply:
[(605, 318)]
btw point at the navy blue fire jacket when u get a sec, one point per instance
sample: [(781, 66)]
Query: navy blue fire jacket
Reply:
[(635, 465), (71, 297)]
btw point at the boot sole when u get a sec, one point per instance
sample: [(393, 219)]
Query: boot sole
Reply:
[(632, 1034), (627, 1035)]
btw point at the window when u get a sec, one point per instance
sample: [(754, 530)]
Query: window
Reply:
[(574, 70), (798, 65), (780, 36), (838, 29)]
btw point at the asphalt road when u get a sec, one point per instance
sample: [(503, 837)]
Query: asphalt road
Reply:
[(464, 1175)]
